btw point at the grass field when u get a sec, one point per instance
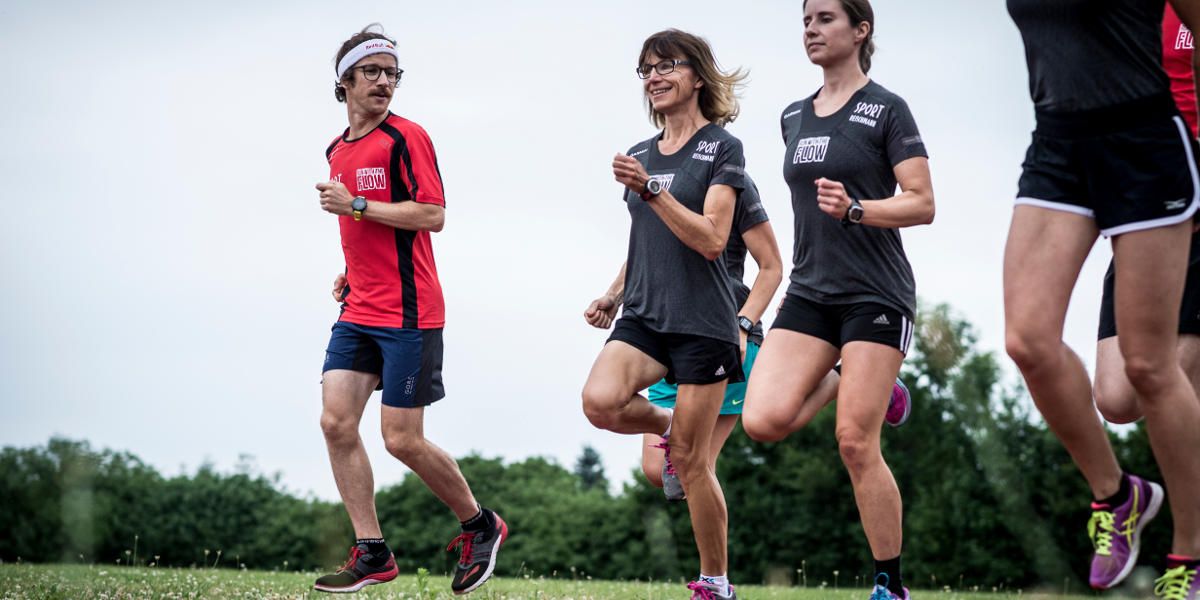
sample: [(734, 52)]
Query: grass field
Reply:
[(84, 582)]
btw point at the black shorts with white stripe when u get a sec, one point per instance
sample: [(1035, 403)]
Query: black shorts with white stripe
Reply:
[(1129, 167), (840, 324)]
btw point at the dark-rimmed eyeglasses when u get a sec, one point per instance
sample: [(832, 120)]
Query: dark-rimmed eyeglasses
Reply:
[(661, 67), (372, 72)]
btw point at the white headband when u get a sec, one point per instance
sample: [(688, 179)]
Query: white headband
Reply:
[(363, 50)]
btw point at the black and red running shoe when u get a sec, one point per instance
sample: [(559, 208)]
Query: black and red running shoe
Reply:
[(478, 558), (358, 573)]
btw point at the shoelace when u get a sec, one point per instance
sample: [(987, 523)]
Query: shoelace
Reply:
[(1101, 530), (1174, 584), (467, 540), (666, 448), (701, 591), (881, 592), (354, 554)]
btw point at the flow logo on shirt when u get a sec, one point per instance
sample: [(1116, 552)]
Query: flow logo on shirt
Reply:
[(706, 151), (371, 179), (811, 150), (1183, 39), (866, 113)]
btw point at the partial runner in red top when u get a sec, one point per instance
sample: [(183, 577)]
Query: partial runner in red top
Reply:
[(1177, 62)]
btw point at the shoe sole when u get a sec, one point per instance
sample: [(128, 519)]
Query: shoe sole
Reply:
[(487, 573), (358, 585), (1156, 498)]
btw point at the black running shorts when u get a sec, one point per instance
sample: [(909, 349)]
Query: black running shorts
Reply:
[(840, 324), (1129, 167), (1189, 310), (689, 359)]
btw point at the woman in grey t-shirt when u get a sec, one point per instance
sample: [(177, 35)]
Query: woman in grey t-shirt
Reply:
[(851, 294)]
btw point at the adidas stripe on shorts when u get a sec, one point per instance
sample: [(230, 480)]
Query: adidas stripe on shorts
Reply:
[(839, 324)]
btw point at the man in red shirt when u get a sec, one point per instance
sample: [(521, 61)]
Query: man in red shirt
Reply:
[(385, 188)]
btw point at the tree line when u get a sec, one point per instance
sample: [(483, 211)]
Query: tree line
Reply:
[(990, 499)]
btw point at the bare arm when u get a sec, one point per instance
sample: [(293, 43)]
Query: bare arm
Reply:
[(413, 216), (760, 240), (912, 206), (705, 233), (602, 310)]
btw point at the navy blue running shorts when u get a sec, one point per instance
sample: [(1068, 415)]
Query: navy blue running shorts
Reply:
[(408, 361)]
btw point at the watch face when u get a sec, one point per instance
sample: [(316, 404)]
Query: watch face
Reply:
[(359, 203), (745, 323), (654, 186), (856, 213)]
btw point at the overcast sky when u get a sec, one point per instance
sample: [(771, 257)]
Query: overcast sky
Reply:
[(167, 268)]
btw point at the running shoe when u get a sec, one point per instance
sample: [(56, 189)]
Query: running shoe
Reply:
[(478, 558), (1116, 532), (702, 591), (357, 574), (1179, 583), (881, 591), (900, 406), (672, 487)]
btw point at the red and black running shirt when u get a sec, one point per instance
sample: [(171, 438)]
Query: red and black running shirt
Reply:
[(393, 279), (1177, 62)]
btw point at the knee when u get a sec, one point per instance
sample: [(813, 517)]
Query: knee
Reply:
[(403, 445), (1116, 402), (601, 405), (760, 427), (339, 430), (1028, 350), (858, 450), (1146, 375)]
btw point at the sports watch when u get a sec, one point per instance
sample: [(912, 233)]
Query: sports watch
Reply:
[(653, 188), (745, 323), (854, 214), (358, 206)]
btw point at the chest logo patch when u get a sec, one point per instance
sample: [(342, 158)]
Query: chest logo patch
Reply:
[(811, 150), (706, 151), (665, 179), (374, 178), (867, 113), (1183, 39)]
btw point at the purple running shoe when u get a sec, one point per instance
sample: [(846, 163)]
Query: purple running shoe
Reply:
[(702, 591), (900, 406), (1179, 582), (1116, 532)]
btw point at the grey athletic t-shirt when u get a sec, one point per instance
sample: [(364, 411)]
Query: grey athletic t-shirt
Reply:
[(668, 286), (1085, 54), (747, 213), (857, 146)]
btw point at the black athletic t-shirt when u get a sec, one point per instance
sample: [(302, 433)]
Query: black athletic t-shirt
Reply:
[(747, 213), (668, 286), (1086, 54), (858, 146)]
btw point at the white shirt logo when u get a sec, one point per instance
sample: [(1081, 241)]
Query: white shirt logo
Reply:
[(1183, 39), (665, 179), (811, 150), (706, 151), (866, 113), (371, 179)]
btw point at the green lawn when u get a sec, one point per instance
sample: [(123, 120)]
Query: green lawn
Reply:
[(21, 581)]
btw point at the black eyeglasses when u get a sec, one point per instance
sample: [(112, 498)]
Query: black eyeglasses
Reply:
[(372, 72), (662, 67)]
